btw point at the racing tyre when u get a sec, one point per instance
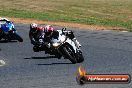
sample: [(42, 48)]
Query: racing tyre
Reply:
[(35, 49), (18, 38), (0, 37), (79, 57), (1, 34), (70, 54)]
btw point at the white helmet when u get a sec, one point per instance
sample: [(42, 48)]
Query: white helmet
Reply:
[(33, 25), (4, 19)]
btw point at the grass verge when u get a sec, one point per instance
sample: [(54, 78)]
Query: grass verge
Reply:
[(93, 12)]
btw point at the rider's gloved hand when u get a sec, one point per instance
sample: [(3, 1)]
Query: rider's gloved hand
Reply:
[(10, 31), (70, 35)]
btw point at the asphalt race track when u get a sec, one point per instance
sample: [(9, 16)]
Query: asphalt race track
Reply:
[(104, 52)]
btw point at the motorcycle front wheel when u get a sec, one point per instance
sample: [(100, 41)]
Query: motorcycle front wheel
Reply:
[(79, 57), (69, 53), (18, 38), (1, 34)]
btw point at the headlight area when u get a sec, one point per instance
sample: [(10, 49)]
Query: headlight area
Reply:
[(56, 44)]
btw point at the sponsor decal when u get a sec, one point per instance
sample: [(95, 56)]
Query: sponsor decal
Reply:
[(83, 78)]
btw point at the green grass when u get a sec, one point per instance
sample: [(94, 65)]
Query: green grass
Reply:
[(99, 12)]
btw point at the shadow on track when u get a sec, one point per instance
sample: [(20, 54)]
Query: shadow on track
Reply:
[(54, 64), (47, 57), (5, 41)]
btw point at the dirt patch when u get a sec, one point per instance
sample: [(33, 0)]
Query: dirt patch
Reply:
[(64, 24)]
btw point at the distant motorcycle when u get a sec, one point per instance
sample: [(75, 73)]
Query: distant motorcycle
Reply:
[(61, 46), (8, 32)]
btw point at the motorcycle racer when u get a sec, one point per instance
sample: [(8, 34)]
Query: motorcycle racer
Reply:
[(34, 29), (7, 30), (48, 30), (51, 33), (4, 27), (5, 21)]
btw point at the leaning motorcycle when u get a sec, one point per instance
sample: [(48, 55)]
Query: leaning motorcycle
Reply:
[(63, 45), (8, 32)]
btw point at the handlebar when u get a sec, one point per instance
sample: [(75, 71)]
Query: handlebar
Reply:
[(63, 29)]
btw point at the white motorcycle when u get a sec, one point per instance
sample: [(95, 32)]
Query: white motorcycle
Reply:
[(64, 45), (67, 47)]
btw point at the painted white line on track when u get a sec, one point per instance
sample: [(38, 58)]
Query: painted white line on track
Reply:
[(107, 30), (2, 63), (124, 31)]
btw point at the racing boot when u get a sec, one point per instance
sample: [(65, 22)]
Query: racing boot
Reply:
[(35, 49)]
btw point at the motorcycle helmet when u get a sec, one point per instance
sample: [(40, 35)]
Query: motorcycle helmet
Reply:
[(33, 27), (4, 19), (48, 29)]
